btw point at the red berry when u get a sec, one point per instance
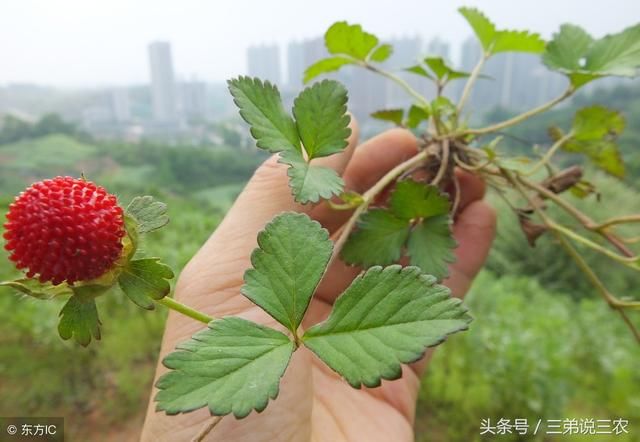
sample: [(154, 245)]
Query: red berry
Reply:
[(64, 229)]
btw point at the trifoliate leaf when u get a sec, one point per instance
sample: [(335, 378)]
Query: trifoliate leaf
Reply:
[(381, 53), (387, 317), (393, 115), (442, 71), (144, 280), (431, 245), (417, 218), (325, 66), (411, 199), (417, 114), (345, 39), (575, 53), (309, 182), (260, 106), (494, 41), (148, 214), (595, 130), (79, 319), (320, 112), (234, 366), (378, 240), (292, 255), (36, 289)]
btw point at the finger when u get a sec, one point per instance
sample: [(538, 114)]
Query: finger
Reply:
[(472, 188), (474, 230), (370, 162)]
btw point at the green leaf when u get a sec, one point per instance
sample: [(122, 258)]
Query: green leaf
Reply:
[(234, 366), (494, 41), (419, 70), (411, 199), (417, 114), (382, 234), (387, 317), (617, 54), (442, 71), (79, 319), (595, 130), (378, 240), (144, 280), (566, 50), (320, 112), (260, 106), (431, 245), (484, 29), (381, 53), (518, 41), (345, 39), (442, 107), (36, 289), (148, 213), (597, 122), (309, 182), (602, 153), (325, 66), (393, 115), (575, 53), (292, 255)]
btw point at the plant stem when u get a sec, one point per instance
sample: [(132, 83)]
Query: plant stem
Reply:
[(628, 261), (519, 118), (369, 195), (549, 154), (613, 302), (399, 81), (185, 310), (618, 220), (444, 163), (207, 428), (466, 92), (581, 217)]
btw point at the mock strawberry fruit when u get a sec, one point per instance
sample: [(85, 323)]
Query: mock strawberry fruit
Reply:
[(64, 229)]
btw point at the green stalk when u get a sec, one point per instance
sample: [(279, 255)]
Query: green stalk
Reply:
[(179, 307)]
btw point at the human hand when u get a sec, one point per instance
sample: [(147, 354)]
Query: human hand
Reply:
[(314, 403)]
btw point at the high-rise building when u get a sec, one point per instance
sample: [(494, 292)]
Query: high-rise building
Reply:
[(263, 61), (440, 48), (163, 87), (300, 55), (120, 106), (193, 99)]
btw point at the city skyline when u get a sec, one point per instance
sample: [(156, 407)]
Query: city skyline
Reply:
[(210, 39)]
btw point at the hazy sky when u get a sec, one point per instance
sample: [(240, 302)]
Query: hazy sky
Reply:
[(103, 42)]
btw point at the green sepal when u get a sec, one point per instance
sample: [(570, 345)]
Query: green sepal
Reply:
[(145, 280), (79, 319), (148, 213), (36, 289)]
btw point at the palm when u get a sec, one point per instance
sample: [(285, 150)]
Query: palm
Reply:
[(314, 403)]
